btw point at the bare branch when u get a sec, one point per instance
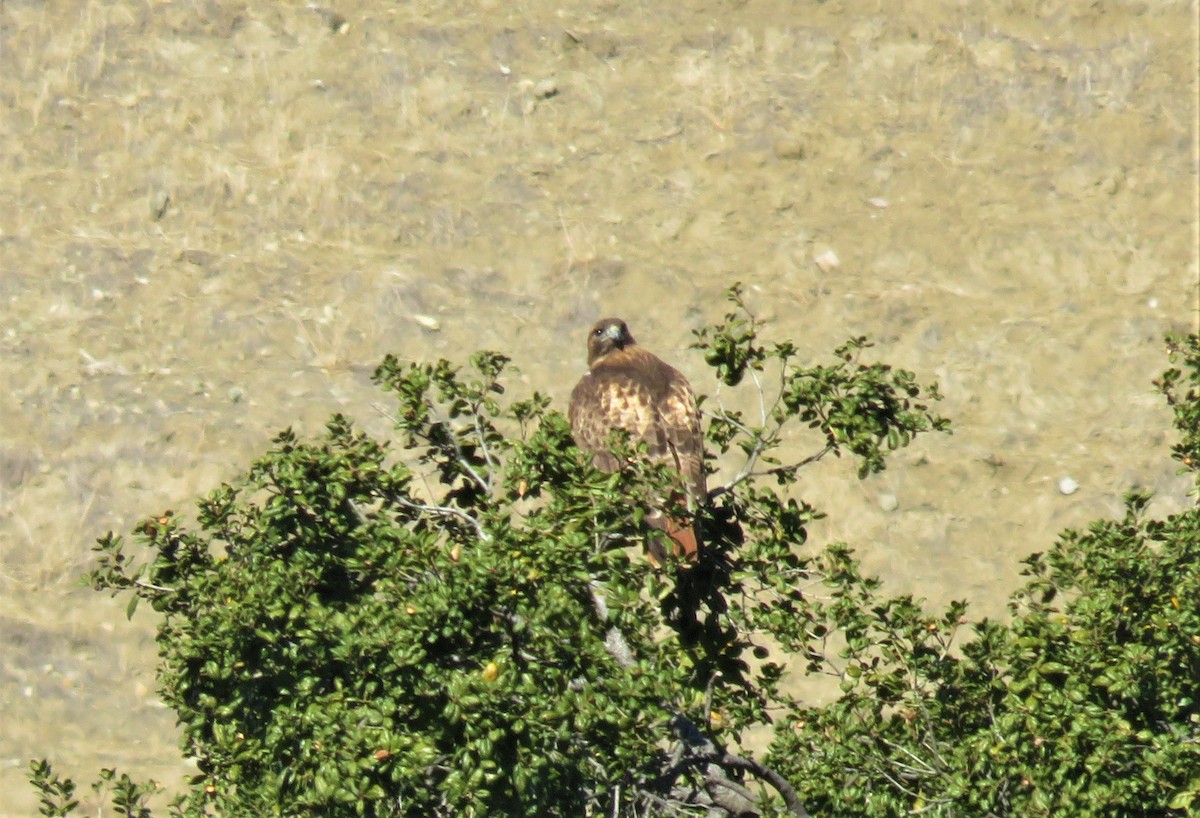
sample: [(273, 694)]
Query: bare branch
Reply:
[(357, 512), (707, 753), (762, 403), (614, 641), (141, 583), (781, 785), (748, 470), (923, 767), (487, 453), (445, 511), (484, 485)]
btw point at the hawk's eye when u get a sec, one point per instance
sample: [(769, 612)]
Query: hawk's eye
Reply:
[(598, 331)]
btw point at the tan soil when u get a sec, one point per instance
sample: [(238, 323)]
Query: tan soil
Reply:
[(216, 217)]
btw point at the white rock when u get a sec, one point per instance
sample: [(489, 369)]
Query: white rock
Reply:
[(827, 260), (1068, 486)]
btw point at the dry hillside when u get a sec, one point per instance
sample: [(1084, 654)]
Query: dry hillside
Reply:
[(217, 216)]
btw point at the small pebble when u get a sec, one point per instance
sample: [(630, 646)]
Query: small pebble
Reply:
[(827, 260), (1067, 486), (878, 202), (544, 89), (160, 200), (888, 501), (790, 149), (197, 257), (427, 321)]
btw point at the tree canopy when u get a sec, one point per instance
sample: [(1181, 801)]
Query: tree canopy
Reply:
[(459, 621)]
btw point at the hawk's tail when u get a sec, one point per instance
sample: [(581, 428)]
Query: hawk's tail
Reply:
[(684, 533)]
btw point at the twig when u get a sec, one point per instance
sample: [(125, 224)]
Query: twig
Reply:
[(762, 404), (484, 485), (924, 767), (747, 472), (141, 583), (614, 641), (748, 469), (487, 453), (358, 513), (445, 511)]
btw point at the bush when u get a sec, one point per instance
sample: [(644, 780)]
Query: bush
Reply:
[(1086, 703), (465, 626)]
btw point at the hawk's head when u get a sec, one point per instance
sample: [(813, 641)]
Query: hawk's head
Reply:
[(607, 335)]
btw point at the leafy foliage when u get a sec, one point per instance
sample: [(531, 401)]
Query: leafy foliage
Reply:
[(1085, 704), (128, 797), (865, 409), (57, 794), (1181, 387), (464, 626)]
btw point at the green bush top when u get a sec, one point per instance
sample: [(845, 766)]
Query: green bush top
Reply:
[(459, 622)]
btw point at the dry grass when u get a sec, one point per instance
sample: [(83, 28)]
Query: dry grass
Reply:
[(215, 217)]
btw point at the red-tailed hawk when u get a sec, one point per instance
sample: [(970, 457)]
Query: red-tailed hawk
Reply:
[(628, 388)]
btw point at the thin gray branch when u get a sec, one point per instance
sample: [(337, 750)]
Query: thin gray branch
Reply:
[(614, 641), (445, 511), (748, 470), (484, 485), (141, 583), (483, 446)]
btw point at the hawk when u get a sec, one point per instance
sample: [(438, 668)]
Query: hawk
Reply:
[(630, 389)]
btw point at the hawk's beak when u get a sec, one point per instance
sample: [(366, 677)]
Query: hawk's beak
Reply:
[(613, 333)]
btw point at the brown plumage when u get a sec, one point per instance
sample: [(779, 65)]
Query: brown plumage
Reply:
[(631, 389)]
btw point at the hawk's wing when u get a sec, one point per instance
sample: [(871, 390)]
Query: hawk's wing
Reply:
[(679, 419)]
